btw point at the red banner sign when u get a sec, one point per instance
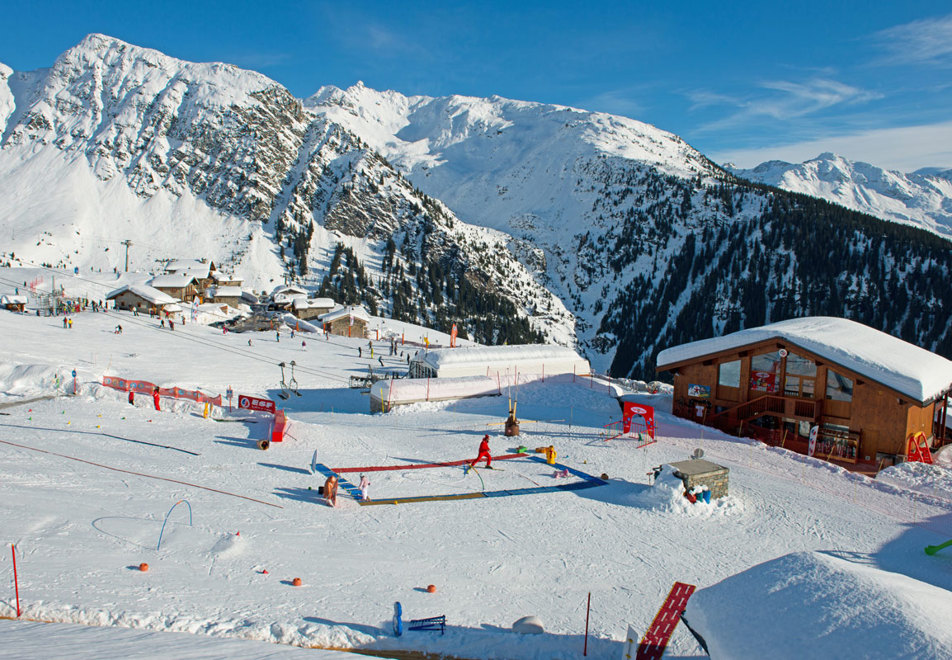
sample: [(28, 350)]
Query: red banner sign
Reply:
[(254, 403), (145, 387)]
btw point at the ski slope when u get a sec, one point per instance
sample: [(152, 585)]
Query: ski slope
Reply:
[(84, 500)]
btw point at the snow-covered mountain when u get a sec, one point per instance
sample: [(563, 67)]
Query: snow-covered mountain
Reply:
[(922, 198), (521, 221), (118, 142)]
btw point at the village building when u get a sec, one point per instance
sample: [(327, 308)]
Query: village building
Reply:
[(865, 391), (14, 303), (181, 284), (535, 360), (227, 295), (202, 271), (142, 297), (350, 321), (223, 279), (307, 309)]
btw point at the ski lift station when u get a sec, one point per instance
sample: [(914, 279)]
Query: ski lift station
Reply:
[(445, 374)]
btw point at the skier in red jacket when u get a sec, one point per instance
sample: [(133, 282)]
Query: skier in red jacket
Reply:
[(483, 453), (155, 398)]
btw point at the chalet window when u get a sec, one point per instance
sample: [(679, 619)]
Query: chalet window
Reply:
[(728, 374), (800, 380), (764, 371), (838, 387)]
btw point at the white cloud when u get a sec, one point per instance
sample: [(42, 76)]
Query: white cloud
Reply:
[(905, 149), (925, 41), (616, 102), (787, 100)]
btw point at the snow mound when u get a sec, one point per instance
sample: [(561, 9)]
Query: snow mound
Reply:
[(816, 605), (30, 380), (935, 480), (667, 495)]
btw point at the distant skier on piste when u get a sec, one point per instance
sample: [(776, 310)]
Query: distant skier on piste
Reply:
[(483, 453)]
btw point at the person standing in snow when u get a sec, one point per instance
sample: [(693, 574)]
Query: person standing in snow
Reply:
[(277, 336), (303, 345), (155, 398), (132, 397), (364, 487), (171, 324), (330, 490), (483, 453), (360, 352)]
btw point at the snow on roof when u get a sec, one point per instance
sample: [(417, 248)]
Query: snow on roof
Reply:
[(144, 291), (442, 357), (357, 312), (830, 606), (172, 280), (218, 276), (327, 303), (288, 290), (11, 299), (197, 267), (225, 291), (899, 365)]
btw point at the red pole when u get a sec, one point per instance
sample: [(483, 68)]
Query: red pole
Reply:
[(16, 584), (588, 608)]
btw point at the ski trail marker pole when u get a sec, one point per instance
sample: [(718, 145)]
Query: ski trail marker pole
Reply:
[(16, 584), (588, 608)]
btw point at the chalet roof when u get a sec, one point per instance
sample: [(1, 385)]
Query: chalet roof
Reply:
[(357, 312), (218, 276), (510, 355), (225, 291), (11, 299), (890, 361), (198, 268), (289, 290), (144, 291), (172, 280)]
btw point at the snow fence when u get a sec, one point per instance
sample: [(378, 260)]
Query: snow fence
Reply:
[(385, 394)]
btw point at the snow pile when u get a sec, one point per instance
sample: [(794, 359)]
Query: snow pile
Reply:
[(812, 604), (30, 380), (934, 480), (667, 496)]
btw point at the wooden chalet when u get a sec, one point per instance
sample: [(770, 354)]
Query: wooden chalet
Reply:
[(866, 391), (182, 285), (204, 272), (141, 297), (14, 303), (346, 322)]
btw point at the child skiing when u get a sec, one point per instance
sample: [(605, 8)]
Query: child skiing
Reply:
[(483, 453), (364, 487)]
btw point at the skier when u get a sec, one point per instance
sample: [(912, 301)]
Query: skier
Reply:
[(303, 345), (483, 453), (70, 324), (292, 333), (162, 321), (277, 336), (330, 490), (364, 487), (132, 398), (360, 352), (171, 324), (249, 342), (65, 325), (380, 360), (118, 329), (155, 398)]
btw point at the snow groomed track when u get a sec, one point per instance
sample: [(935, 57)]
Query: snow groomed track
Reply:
[(588, 481)]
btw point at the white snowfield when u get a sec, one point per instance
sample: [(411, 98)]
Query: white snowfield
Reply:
[(904, 367), (87, 482)]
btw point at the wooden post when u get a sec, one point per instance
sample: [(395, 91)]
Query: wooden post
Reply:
[(16, 584), (587, 610)]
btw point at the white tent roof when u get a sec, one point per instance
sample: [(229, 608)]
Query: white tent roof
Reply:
[(357, 312), (172, 280), (443, 357), (899, 365), (145, 292)]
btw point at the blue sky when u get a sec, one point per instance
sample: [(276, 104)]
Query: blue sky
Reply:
[(741, 81)]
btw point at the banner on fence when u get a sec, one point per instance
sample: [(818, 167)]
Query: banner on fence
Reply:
[(254, 403), (145, 387)]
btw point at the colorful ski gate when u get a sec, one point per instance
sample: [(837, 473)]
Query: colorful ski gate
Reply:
[(145, 387), (588, 481)]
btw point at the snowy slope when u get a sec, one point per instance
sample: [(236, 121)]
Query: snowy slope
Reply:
[(922, 198), (81, 528)]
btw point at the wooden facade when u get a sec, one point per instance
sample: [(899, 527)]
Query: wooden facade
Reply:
[(777, 391), (342, 326)]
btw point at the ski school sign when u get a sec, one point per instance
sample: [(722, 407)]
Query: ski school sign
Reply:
[(255, 404), (145, 387)]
